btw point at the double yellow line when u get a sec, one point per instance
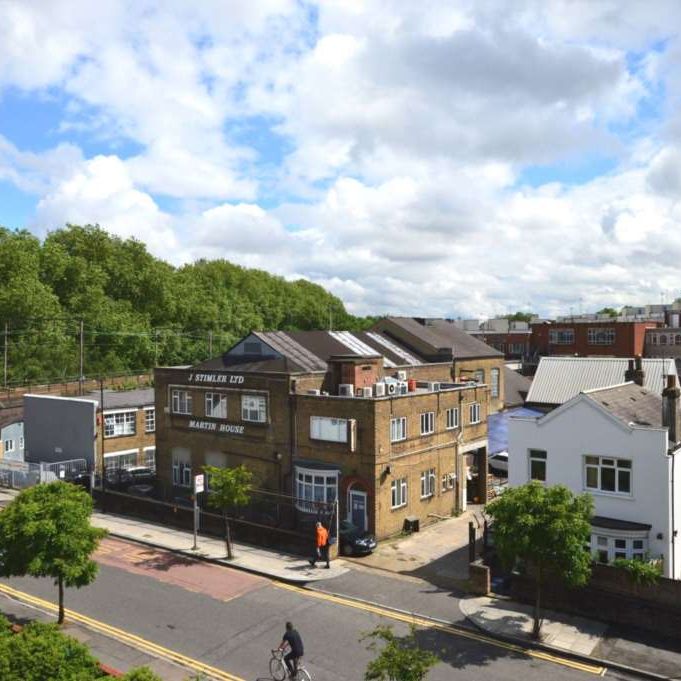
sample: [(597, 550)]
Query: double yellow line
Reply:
[(124, 636), (446, 628)]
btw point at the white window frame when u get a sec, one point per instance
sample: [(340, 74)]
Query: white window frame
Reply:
[(561, 336), (447, 482), (8, 446), (398, 429), (630, 546), (120, 460), (149, 419), (315, 486), (618, 466), (120, 423), (474, 413), (215, 408), (601, 335), (427, 422), (254, 408), (539, 456), (182, 473), (427, 483), (494, 382), (181, 401), (479, 375), (399, 493), (149, 457), (329, 429), (452, 418)]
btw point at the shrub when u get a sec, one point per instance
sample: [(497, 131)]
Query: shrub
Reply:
[(640, 571)]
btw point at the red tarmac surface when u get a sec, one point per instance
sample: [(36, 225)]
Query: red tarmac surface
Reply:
[(216, 581)]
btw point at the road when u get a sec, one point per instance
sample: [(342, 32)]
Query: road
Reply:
[(230, 620)]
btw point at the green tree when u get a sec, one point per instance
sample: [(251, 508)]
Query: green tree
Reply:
[(227, 488), (546, 529), (141, 674), (520, 316), (398, 659), (46, 532), (610, 311)]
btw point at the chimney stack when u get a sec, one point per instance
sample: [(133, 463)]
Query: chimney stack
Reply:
[(670, 409), (635, 371)]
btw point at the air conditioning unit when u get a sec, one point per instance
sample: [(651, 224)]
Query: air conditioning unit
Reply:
[(367, 392), (433, 387), (391, 388), (401, 375), (403, 388), (379, 389), (358, 392), (346, 390), (166, 410), (314, 392)]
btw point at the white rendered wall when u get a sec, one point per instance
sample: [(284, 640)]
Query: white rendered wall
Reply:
[(579, 429)]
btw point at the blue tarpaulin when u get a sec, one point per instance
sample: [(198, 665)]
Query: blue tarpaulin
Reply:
[(498, 427)]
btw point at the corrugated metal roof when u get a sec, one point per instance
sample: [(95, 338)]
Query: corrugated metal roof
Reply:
[(559, 379)]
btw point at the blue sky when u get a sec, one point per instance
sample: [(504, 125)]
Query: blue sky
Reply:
[(384, 150)]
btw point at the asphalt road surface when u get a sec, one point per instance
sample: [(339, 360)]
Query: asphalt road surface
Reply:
[(230, 620)]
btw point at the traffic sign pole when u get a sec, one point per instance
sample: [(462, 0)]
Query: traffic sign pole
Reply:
[(198, 488)]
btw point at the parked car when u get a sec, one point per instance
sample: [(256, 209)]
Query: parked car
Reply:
[(353, 541), (142, 475), (498, 462)]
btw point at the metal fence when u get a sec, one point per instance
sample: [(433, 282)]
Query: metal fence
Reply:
[(63, 470), (18, 474)]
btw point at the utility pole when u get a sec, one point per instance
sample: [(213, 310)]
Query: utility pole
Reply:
[(5, 364), (210, 344), (155, 348), (330, 319), (80, 375)]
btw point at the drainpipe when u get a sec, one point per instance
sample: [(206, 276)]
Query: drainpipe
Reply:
[(673, 453)]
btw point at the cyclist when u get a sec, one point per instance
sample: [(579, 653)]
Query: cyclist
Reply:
[(295, 643)]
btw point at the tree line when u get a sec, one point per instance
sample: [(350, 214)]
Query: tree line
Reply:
[(136, 311)]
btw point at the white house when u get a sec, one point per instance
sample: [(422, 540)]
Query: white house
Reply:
[(620, 444)]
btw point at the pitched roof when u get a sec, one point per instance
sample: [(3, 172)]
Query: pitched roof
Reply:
[(630, 403), (442, 334), (516, 387), (115, 399), (559, 379)]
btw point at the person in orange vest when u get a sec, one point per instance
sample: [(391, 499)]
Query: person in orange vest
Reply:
[(321, 545)]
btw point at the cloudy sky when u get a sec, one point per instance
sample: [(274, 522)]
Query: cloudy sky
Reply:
[(441, 157)]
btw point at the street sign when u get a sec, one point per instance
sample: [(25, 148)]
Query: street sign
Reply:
[(199, 483)]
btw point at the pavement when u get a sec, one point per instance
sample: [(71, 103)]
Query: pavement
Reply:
[(262, 561)]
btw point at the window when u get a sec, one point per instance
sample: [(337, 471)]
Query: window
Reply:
[(182, 402), (654, 339), (428, 483), (452, 418), (607, 475), (562, 336), (538, 465), (474, 413), (663, 339), (677, 339), (398, 429), (607, 548), (119, 423), (21, 442), (216, 405), (605, 336), (398, 493), (314, 487), (118, 460), (427, 423), (149, 420), (254, 408), (9, 446), (479, 376), (149, 457), (447, 481), (331, 430), (495, 383), (182, 473)]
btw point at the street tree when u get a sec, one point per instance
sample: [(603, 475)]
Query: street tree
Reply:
[(46, 532), (227, 488), (546, 530), (398, 659)]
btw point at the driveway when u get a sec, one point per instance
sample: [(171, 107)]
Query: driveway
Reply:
[(437, 554)]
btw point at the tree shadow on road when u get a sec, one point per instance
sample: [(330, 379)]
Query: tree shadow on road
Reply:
[(163, 561)]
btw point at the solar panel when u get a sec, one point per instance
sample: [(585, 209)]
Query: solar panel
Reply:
[(358, 346), (393, 347)]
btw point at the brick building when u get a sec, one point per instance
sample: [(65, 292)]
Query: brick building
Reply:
[(65, 428), (326, 416), (442, 341), (589, 338)]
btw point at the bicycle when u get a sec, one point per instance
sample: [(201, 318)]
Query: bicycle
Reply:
[(279, 671)]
